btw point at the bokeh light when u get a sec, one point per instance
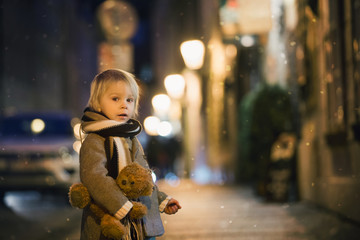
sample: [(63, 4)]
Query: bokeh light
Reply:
[(161, 102), (165, 128), (193, 52), (175, 85), (37, 126), (151, 125)]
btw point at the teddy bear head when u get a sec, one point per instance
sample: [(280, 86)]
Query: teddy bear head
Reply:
[(135, 181)]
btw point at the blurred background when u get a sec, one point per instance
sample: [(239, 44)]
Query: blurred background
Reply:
[(264, 92)]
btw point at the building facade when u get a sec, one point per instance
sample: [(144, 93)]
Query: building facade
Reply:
[(328, 77)]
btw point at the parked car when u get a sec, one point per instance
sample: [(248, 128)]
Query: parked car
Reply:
[(36, 152)]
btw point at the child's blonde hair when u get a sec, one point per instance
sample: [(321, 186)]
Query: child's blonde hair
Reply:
[(102, 81)]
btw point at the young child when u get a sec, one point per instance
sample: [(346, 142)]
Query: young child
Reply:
[(110, 145)]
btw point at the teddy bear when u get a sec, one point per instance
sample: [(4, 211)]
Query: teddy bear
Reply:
[(134, 181)]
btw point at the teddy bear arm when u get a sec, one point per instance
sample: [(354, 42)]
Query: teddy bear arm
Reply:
[(138, 210), (112, 228)]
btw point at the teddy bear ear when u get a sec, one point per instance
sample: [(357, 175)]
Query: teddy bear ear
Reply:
[(123, 182)]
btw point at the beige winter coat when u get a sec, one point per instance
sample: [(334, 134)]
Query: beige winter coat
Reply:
[(106, 193)]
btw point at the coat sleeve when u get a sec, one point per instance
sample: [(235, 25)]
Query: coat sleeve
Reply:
[(163, 200), (93, 174)]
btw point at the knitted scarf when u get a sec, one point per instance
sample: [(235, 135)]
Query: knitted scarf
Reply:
[(115, 133), (96, 122)]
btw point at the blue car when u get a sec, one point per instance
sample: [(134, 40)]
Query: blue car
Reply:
[(36, 152)]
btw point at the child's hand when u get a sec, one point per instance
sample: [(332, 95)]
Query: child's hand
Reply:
[(172, 207)]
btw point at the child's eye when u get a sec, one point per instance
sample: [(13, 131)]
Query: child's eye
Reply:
[(130, 100), (115, 99)]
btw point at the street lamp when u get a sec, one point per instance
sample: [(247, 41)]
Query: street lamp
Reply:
[(165, 129), (151, 125), (175, 85), (155, 127), (193, 52), (161, 103)]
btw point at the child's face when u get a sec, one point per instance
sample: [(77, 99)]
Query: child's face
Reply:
[(118, 102)]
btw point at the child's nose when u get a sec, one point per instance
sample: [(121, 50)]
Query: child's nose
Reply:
[(123, 104)]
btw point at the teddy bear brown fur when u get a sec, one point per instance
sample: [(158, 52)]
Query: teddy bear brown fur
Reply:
[(134, 181)]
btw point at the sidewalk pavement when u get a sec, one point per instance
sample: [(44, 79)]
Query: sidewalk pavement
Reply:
[(234, 212)]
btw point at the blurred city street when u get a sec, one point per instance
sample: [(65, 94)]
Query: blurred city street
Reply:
[(232, 92), (208, 212), (31, 215), (218, 212)]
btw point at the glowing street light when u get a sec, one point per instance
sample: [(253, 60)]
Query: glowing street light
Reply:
[(175, 85), (161, 103), (154, 127), (151, 125), (193, 53), (165, 128)]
